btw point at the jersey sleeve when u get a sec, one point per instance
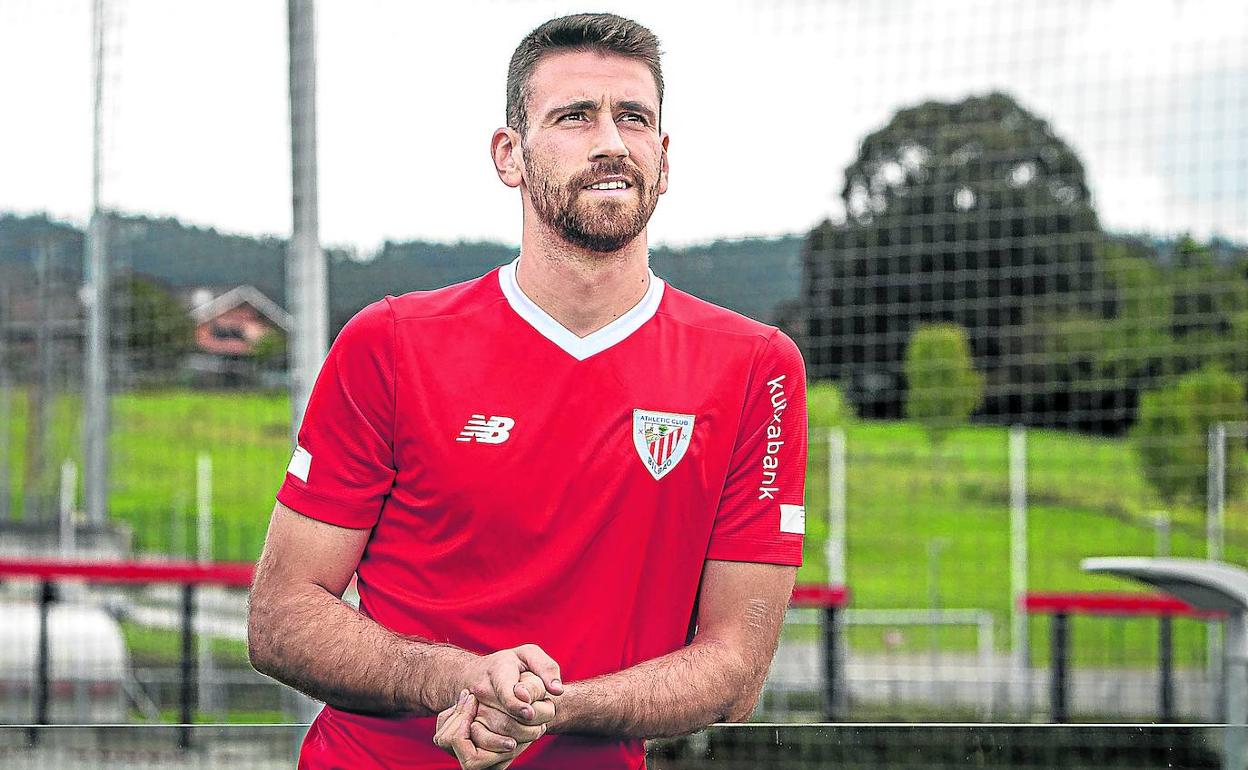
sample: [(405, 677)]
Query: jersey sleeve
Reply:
[(761, 515), (343, 466)]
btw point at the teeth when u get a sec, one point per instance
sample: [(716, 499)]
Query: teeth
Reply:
[(608, 186)]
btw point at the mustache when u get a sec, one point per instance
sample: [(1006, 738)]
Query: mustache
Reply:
[(609, 168)]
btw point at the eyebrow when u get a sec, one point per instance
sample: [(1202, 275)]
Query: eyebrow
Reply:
[(638, 107), (589, 104), (583, 104)]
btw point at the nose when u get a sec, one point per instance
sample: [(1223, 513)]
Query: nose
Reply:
[(608, 144)]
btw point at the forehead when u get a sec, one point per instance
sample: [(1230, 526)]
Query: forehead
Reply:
[(567, 76)]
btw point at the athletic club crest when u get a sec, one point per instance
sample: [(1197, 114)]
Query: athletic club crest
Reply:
[(661, 439)]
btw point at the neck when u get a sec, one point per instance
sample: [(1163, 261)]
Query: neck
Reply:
[(582, 290)]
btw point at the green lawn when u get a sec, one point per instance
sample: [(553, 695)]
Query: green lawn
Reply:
[(923, 525), (162, 647), (932, 527), (158, 438)]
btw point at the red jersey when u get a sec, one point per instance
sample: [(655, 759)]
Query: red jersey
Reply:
[(524, 485)]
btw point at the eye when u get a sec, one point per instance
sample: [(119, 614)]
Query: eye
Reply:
[(572, 116), (634, 117)]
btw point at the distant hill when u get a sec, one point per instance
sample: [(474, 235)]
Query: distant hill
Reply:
[(753, 276), (757, 277)]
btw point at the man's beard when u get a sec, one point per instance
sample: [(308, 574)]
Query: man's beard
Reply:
[(603, 227)]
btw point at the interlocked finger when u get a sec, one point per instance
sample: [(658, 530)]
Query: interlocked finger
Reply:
[(452, 731), (543, 712), (530, 688), (485, 738), (500, 689), (501, 723), (454, 736)]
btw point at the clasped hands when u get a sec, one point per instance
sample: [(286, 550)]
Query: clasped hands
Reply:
[(509, 702)]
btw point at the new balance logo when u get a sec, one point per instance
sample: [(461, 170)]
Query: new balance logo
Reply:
[(494, 430)]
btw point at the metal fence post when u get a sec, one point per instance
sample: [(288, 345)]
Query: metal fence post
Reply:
[(835, 546), (47, 595), (1165, 673), (1058, 662), (1018, 561), (187, 672), (305, 263), (831, 664)]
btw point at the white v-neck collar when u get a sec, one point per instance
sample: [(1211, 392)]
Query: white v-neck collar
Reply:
[(579, 348)]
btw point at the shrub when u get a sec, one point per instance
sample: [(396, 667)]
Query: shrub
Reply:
[(943, 387), (1171, 435)]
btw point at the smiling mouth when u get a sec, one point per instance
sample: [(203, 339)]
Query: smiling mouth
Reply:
[(615, 184)]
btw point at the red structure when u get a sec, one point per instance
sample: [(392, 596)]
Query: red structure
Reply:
[(190, 575), (1109, 604)]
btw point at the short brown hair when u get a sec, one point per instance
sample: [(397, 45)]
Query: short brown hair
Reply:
[(603, 32)]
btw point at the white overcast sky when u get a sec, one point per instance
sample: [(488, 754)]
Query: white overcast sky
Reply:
[(765, 104)]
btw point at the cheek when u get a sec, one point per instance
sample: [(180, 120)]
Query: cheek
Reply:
[(648, 156)]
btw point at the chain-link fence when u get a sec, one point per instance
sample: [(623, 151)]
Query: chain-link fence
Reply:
[(1011, 239)]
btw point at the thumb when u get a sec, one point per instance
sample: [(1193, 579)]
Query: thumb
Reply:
[(536, 660)]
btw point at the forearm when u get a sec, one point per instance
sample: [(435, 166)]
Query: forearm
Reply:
[(322, 646), (678, 693)]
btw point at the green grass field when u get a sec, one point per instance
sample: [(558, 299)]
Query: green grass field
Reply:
[(923, 526)]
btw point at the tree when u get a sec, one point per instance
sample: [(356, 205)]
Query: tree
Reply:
[(157, 330), (1171, 436), (972, 212), (270, 352), (826, 407), (943, 387)]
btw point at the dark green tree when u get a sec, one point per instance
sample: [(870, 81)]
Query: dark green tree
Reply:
[(157, 331), (972, 212)]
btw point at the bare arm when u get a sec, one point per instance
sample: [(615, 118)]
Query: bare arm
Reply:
[(716, 678), (300, 632)]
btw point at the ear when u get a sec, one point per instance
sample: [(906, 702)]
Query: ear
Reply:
[(663, 164), (505, 149)]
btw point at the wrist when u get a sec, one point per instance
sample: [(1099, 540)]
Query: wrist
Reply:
[(565, 710), (438, 674)]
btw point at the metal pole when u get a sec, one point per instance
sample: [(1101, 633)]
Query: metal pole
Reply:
[(1215, 495), (203, 506), (187, 669), (47, 595), (36, 487), (1215, 511), (831, 665), (48, 386), (1161, 532), (835, 548), (1059, 653), (1235, 749), (69, 492), (203, 500), (305, 263), (1165, 628), (1018, 556), (95, 271), (1165, 672)]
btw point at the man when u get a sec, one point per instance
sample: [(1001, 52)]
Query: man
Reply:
[(571, 494)]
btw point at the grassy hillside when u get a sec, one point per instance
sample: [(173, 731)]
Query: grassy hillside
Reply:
[(924, 526)]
